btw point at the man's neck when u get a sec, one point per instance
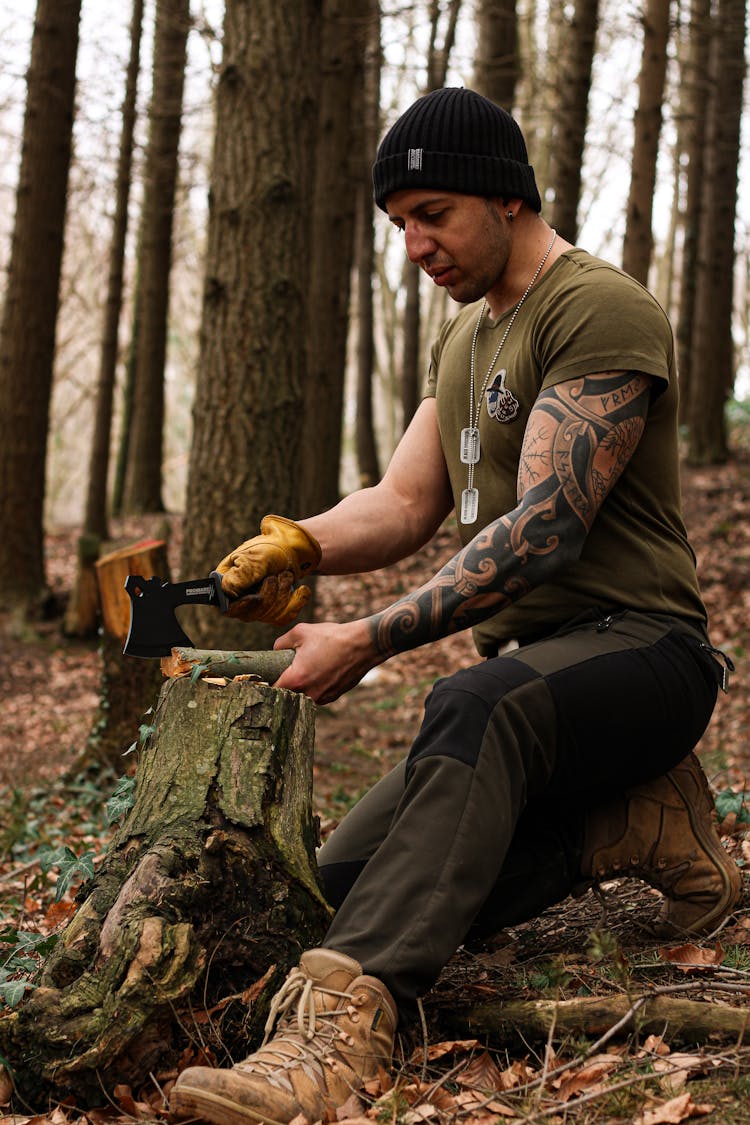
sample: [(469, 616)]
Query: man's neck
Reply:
[(532, 240)]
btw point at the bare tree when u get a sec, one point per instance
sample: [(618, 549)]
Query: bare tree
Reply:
[(438, 56), (247, 452), (496, 60), (143, 478), (27, 330), (367, 450), (95, 521), (712, 376), (638, 243), (570, 114), (339, 169), (694, 92)]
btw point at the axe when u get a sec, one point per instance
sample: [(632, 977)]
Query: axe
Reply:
[(154, 629)]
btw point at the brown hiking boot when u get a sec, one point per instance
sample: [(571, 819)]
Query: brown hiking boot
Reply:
[(664, 832), (335, 1028)]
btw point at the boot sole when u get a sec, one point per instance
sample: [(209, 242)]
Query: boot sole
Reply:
[(728, 870), (190, 1102)]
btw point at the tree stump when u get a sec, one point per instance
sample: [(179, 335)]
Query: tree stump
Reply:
[(129, 686), (207, 895), (82, 612)]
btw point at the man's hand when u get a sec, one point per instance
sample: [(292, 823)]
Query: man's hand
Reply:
[(277, 601), (282, 545), (277, 558), (329, 659)]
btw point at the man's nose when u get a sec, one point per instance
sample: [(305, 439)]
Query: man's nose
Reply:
[(418, 244)]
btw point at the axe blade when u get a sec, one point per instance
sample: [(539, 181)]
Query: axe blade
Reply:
[(154, 629)]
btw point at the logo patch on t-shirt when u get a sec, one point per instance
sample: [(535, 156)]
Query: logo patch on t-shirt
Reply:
[(502, 404)]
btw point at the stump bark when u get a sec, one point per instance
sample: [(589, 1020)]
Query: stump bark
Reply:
[(209, 891)]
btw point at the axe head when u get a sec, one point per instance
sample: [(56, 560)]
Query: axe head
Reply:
[(154, 629)]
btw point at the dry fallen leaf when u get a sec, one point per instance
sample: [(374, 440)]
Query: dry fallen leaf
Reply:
[(692, 957), (471, 1102), (6, 1086), (419, 1113), (498, 958), (654, 1045), (587, 1078), (672, 1112), (482, 1073), (351, 1108), (518, 1074), (446, 1047), (676, 1070)]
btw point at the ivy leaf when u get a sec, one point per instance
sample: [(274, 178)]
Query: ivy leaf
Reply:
[(11, 991), (69, 865), (121, 800), (729, 802)]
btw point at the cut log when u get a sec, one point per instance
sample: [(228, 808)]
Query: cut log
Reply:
[(210, 883), (147, 557), (82, 612), (521, 1021), (266, 666), (129, 686)]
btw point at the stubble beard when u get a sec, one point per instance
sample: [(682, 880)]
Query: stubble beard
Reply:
[(495, 257)]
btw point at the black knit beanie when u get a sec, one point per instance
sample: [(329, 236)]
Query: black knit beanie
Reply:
[(455, 140)]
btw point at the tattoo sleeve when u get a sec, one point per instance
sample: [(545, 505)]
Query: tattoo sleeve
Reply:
[(579, 437)]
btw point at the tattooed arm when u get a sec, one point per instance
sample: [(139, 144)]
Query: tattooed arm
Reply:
[(579, 438)]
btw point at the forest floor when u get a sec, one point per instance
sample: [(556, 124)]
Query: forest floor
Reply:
[(53, 827)]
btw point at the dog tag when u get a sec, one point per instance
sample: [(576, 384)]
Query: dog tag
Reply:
[(469, 505), (470, 445)]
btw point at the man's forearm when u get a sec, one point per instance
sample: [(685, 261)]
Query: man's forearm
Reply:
[(367, 530), (577, 442)]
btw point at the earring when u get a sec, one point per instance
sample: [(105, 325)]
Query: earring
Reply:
[(511, 216)]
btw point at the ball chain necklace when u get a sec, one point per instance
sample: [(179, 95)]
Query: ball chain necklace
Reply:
[(470, 451)]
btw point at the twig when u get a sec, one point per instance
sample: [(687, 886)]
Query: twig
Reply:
[(425, 1039)]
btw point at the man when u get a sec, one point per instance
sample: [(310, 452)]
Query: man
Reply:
[(550, 425)]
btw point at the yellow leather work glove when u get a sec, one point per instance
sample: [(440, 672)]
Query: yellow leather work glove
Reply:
[(277, 601), (282, 548)]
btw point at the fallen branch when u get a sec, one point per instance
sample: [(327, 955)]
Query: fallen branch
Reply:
[(688, 1020), (267, 666)]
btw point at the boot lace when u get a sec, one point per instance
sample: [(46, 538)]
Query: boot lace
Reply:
[(304, 1035)]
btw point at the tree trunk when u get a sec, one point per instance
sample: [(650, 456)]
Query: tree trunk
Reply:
[(410, 357), (29, 317), (366, 443), (208, 892), (340, 164), (570, 115), (496, 60), (246, 457), (128, 392), (95, 521), (695, 88), (638, 244), (713, 349), (411, 363), (143, 478)]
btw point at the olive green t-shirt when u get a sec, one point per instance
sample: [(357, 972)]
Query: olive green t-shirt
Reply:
[(583, 316)]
